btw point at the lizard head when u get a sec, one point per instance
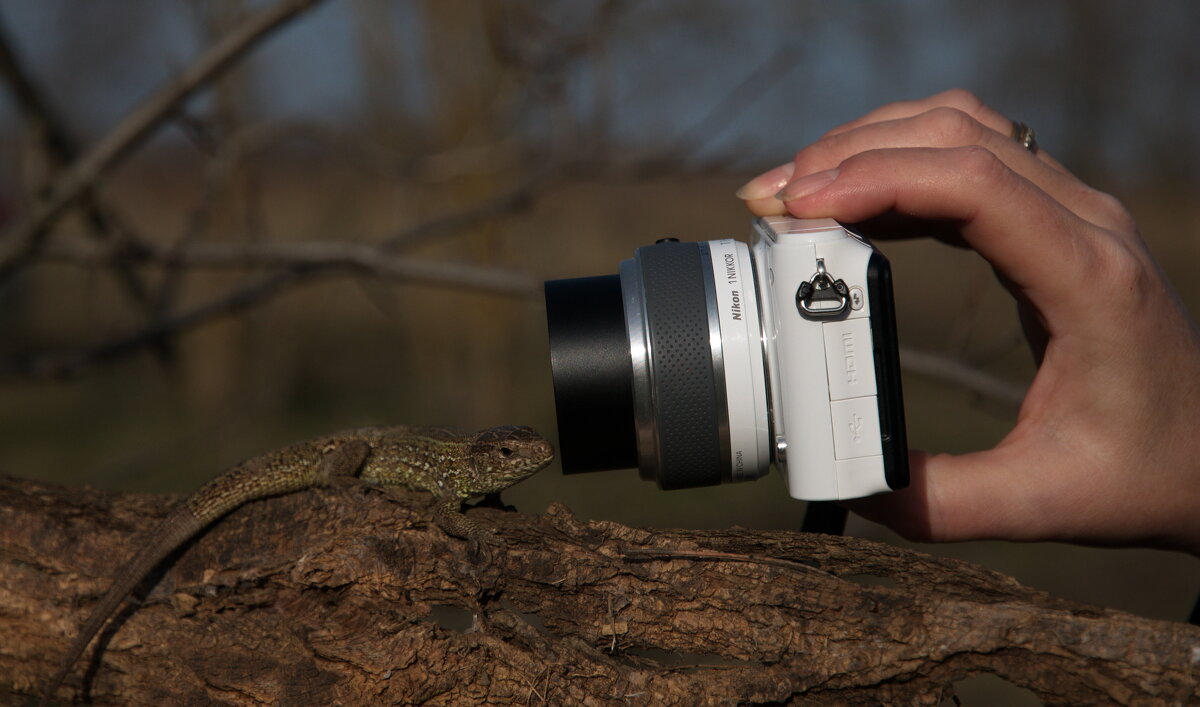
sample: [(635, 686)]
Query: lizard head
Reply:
[(502, 456)]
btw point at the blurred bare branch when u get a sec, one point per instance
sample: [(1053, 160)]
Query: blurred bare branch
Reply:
[(32, 104), (60, 149), (22, 240), (312, 256), (305, 263), (531, 52), (213, 20), (358, 151), (684, 148), (62, 364), (961, 374), (508, 201), (542, 69)]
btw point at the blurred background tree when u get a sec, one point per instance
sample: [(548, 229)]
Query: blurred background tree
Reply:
[(349, 226)]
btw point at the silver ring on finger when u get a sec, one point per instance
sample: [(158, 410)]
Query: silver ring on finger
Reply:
[(1025, 135)]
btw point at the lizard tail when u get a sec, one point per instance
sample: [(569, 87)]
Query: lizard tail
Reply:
[(175, 529)]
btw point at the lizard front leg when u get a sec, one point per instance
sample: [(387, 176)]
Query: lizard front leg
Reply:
[(342, 462), (449, 517)]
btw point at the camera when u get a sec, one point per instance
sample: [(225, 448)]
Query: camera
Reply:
[(704, 363)]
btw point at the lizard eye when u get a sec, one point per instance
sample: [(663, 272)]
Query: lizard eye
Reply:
[(505, 452)]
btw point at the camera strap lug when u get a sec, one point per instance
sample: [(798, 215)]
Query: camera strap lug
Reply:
[(823, 297)]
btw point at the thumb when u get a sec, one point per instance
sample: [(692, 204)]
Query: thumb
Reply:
[(952, 498)]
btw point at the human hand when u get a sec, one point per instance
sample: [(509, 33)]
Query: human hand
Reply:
[(1105, 449)]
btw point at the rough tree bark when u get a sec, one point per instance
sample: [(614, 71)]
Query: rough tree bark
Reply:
[(345, 596)]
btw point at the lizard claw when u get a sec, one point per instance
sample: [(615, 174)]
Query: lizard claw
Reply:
[(479, 553), (482, 541), (482, 546)]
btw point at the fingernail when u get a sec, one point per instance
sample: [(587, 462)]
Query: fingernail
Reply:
[(806, 185), (768, 183)]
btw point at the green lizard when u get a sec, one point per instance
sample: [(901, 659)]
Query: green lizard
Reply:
[(450, 465)]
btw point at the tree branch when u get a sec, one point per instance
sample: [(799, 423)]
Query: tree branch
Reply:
[(519, 197), (21, 242), (308, 260), (60, 149), (961, 374), (757, 83), (349, 596), (305, 263), (312, 256)]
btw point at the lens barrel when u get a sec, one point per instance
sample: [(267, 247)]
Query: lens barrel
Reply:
[(643, 364), (593, 374)]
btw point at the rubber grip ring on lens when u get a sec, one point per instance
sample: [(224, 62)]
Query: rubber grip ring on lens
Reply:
[(686, 399)]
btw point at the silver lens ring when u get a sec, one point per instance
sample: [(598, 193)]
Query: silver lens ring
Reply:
[(633, 295), (747, 419)]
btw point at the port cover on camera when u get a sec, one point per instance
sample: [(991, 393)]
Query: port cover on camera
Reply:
[(849, 358), (855, 428)]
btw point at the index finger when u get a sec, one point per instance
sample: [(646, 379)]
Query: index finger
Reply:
[(1042, 247), (957, 98)]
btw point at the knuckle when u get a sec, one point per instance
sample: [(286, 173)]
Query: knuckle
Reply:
[(1126, 275), (952, 126), (963, 100), (822, 154), (1110, 208), (802, 161), (981, 165)]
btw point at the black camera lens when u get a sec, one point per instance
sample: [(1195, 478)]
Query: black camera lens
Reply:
[(593, 374)]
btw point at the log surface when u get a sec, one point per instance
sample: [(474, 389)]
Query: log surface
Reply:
[(349, 596)]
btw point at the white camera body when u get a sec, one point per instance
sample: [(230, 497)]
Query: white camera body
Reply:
[(828, 347), (703, 363)]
